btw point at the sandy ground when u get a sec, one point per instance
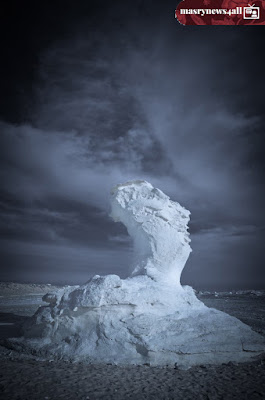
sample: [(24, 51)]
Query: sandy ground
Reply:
[(60, 380), (31, 379)]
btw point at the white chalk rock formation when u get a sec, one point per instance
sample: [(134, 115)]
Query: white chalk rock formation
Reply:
[(148, 317), (158, 227)]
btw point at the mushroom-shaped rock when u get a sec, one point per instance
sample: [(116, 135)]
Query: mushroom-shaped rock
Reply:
[(148, 317), (158, 226)]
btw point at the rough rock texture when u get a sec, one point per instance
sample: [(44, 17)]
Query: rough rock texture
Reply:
[(158, 227), (148, 317)]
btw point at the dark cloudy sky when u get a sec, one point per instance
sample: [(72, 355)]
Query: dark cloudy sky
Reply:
[(96, 93)]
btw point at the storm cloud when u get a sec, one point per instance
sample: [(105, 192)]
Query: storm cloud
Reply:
[(159, 104)]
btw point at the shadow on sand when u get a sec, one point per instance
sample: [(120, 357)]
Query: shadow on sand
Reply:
[(10, 325)]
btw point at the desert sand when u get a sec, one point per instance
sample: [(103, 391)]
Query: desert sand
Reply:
[(48, 380)]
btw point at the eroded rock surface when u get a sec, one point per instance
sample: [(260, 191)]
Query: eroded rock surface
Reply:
[(148, 317), (158, 226)]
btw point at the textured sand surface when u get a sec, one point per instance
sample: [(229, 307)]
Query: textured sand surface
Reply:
[(60, 380)]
